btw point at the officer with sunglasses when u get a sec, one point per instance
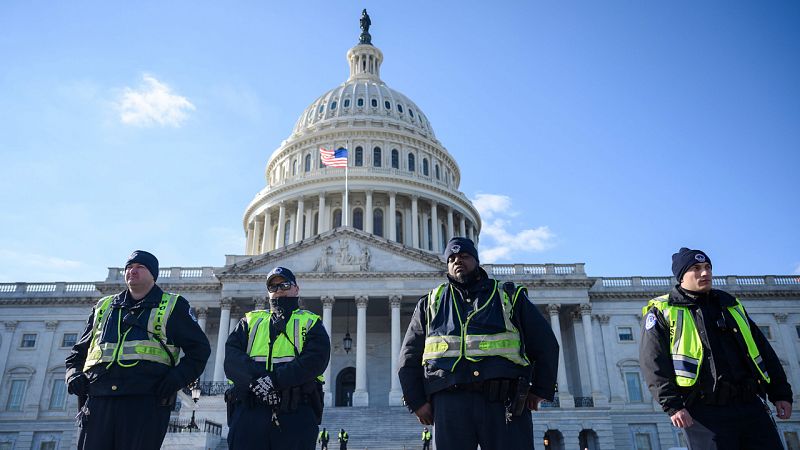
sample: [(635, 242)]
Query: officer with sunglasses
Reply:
[(275, 359)]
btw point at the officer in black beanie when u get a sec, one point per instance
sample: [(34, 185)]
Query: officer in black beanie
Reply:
[(714, 376), (125, 368), (481, 394)]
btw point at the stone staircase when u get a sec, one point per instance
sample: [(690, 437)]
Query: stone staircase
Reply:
[(383, 428)]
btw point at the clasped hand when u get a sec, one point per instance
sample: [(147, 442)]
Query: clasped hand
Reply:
[(264, 390)]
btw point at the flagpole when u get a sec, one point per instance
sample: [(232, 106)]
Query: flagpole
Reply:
[(346, 193)]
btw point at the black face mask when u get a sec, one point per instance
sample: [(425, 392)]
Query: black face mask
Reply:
[(283, 306)]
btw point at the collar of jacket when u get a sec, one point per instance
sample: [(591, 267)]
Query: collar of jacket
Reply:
[(151, 300), (680, 298)]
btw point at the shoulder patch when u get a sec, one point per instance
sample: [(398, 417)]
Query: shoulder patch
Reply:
[(650, 322)]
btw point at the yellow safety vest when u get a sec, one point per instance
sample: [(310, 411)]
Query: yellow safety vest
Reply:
[(685, 344), (287, 345), (137, 350), (459, 343)]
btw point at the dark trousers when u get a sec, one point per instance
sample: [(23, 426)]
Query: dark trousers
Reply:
[(426, 445), (462, 420), (745, 426), (252, 428), (123, 423)]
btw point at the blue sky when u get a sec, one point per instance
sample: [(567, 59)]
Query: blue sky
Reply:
[(609, 133)]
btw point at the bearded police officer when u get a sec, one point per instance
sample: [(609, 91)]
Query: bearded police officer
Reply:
[(276, 359), (708, 364), (125, 369), (477, 357)]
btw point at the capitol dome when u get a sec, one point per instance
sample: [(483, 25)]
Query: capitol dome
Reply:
[(401, 183)]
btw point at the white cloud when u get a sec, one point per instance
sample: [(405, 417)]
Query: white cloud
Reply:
[(153, 103), (36, 267), (498, 240)]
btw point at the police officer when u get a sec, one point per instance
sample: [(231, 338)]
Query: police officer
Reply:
[(276, 359), (323, 439), (125, 369), (708, 364), (343, 438), (476, 358), (426, 439)]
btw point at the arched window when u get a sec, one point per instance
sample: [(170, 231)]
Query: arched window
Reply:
[(315, 225), (377, 222), (443, 237), (437, 171), (358, 218), (425, 166), (347, 103), (399, 108), (287, 232), (430, 234), (631, 376), (333, 105), (398, 226), (376, 157), (395, 159), (294, 167), (321, 108), (303, 230), (411, 113), (307, 165), (411, 163), (359, 156), (337, 218), (374, 102), (387, 104), (360, 102)]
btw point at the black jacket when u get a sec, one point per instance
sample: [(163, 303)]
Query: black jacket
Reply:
[(420, 382), (141, 379), (720, 349), (309, 364)]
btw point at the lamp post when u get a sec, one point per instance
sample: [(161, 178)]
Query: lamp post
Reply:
[(347, 341), (195, 386)]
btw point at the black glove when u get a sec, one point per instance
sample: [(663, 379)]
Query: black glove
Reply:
[(78, 385), (264, 390), (169, 385)]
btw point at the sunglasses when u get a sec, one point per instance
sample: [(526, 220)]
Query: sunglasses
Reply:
[(285, 286)]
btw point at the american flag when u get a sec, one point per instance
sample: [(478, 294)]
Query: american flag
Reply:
[(334, 158)]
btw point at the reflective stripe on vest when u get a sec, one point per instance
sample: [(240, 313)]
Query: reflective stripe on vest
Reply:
[(136, 350), (287, 345), (473, 347), (686, 347)]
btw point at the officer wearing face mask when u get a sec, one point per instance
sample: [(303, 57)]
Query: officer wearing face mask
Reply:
[(276, 359)]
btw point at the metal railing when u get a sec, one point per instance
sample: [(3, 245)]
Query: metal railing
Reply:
[(203, 425)]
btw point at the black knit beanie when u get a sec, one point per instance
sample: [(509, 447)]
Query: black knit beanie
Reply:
[(686, 258), (461, 245), (146, 259)]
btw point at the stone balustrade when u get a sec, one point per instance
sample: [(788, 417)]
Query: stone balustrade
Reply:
[(728, 281)]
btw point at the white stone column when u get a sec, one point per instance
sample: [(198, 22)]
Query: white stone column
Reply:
[(435, 239), (395, 394), (564, 397), (6, 342), (298, 221), (450, 229), (249, 241), (266, 240), (327, 322), (392, 217), (786, 332), (224, 322), (462, 227), (279, 242), (258, 231), (414, 223), (424, 234), (368, 214), (361, 395), (202, 315), (322, 224), (309, 222), (591, 354)]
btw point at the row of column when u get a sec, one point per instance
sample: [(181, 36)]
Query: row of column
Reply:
[(261, 238)]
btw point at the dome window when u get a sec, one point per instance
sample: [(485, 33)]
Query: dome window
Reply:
[(321, 108), (425, 166), (395, 159), (377, 222), (359, 156), (411, 112), (307, 163), (358, 219), (387, 104), (333, 105), (347, 103), (360, 102), (411, 163), (437, 171), (399, 108), (376, 157), (374, 103)]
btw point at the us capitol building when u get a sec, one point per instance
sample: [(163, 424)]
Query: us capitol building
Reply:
[(362, 264)]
